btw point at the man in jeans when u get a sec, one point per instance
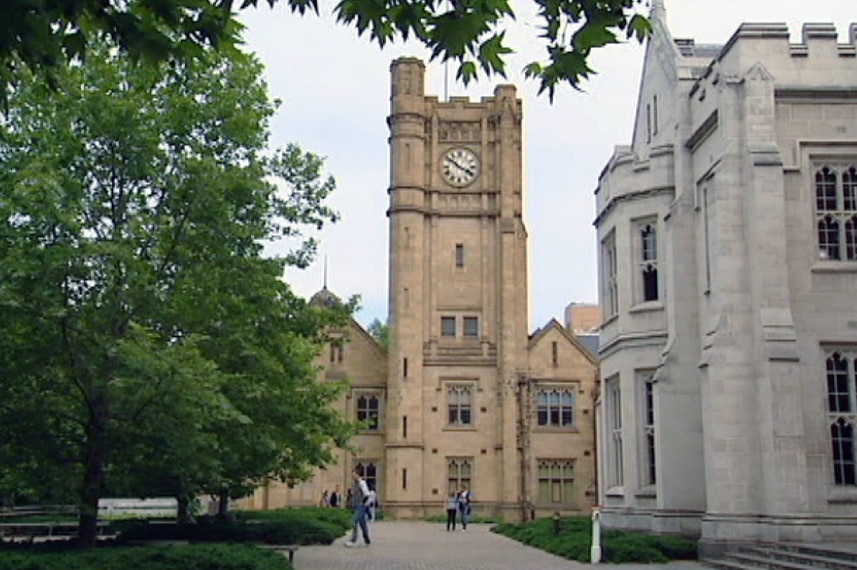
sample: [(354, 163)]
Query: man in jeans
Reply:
[(359, 498)]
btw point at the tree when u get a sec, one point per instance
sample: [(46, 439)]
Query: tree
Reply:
[(40, 34), (141, 324), (380, 332)]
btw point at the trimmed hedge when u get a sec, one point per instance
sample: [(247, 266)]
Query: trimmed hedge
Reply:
[(192, 557), (575, 541), (285, 526)]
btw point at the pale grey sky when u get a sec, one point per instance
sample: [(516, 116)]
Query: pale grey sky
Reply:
[(335, 92)]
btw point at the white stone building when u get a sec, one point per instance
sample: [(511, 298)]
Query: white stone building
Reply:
[(728, 273)]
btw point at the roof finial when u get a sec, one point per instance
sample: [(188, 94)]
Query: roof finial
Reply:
[(324, 287), (659, 11)]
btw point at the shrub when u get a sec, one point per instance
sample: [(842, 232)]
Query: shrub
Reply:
[(575, 540), (193, 557), (274, 531)]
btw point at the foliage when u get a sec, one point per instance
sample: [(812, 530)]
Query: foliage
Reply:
[(40, 34), (275, 531), (191, 557), (147, 347), (475, 519), (380, 332), (575, 540), (337, 517)]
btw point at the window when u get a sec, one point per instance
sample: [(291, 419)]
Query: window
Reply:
[(460, 404), (459, 255), (648, 123), (369, 471), (841, 407), (649, 262), (655, 115), (707, 213), (611, 284), (613, 421), (556, 406), (554, 354), (471, 327), (447, 326), (459, 473), (556, 480), (648, 428), (336, 351), (836, 212), (369, 410)]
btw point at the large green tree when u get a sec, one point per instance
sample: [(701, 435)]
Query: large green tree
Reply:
[(40, 34), (146, 342)]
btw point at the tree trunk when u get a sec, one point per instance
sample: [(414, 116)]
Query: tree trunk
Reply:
[(223, 506), (183, 511), (93, 476)]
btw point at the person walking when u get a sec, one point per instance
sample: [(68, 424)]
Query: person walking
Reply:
[(325, 499), (464, 506), (359, 498), (334, 498), (451, 510)]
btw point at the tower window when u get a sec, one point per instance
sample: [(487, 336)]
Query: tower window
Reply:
[(447, 326), (471, 326), (836, 212), (459, 255), (460, 404), (369, 410)]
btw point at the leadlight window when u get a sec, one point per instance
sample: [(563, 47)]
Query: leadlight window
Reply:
[(555, 406), (649, 467), (613, 406), (556, 480), (836, 212), (611, 283), (460, 404), (841, 409), (459, 473), (649, 262), (369, 410)]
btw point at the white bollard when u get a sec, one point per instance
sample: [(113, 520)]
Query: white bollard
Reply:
[(595, 553)]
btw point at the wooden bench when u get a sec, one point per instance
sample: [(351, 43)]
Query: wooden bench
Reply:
[(31, 530), (290, 548)]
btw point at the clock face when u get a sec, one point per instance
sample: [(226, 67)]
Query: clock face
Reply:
[(459, 166)]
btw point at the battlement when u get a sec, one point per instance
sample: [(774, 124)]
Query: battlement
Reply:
[(817, 39)]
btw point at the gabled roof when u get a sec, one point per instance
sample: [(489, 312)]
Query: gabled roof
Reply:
[(553, 324)]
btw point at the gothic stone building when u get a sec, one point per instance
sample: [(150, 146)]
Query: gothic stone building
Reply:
[(463, 396), (728, 273)]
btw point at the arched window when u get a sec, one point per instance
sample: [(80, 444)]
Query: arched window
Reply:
[(836, 212), (369, 410), (841, 408)]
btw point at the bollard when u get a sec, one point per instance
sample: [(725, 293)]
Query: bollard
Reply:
[(595, 553), (557, 523)]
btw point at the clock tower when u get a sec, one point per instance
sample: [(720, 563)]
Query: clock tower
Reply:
[(458, 297)]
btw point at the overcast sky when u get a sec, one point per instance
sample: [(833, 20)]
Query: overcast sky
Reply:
[(335, 92)]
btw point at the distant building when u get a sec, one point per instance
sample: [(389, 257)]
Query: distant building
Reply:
[(465, 396), (582, 318), (728, 267)]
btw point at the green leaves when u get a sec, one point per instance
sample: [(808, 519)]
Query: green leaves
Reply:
[(146, 343), (40, 35)]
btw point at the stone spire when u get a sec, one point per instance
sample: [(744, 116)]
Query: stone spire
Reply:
[(658, 11)]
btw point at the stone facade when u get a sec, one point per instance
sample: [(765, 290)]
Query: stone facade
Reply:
[(464, 395), (728, 266)]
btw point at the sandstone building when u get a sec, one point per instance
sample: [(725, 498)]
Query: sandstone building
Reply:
[(728, 272), (464, 395)]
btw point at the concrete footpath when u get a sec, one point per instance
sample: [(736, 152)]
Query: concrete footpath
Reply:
[(404, 545)]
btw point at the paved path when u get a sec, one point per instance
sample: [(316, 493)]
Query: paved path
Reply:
[(427, 546)]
